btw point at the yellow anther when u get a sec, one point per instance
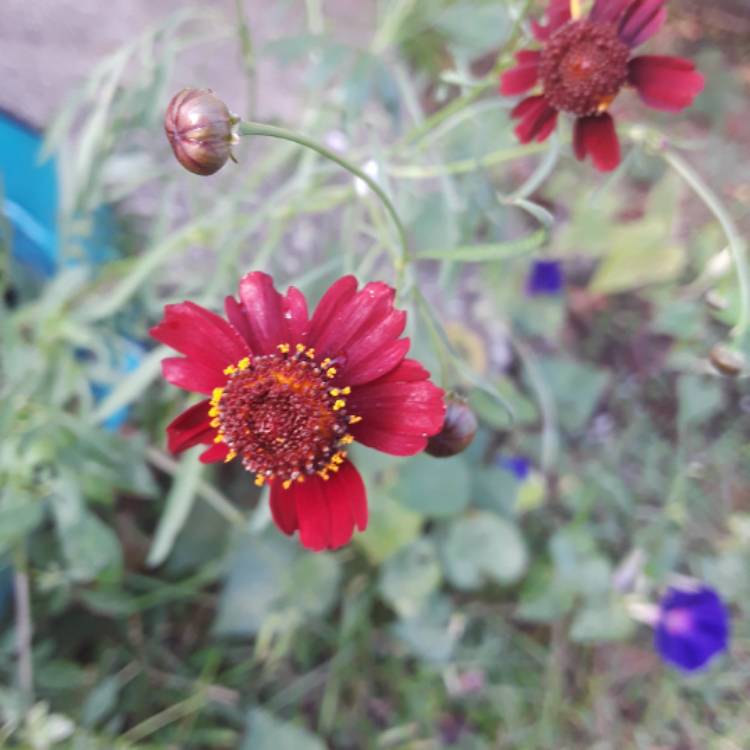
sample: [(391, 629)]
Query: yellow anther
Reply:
[(300, 479), (213, 412), (310, 353), (333, 468), (334, 392), (337, 459), (323, 474), (331, 372), (230, 370), (244, 363), (354, 419), (216, 422), (346, 391), (216, 395), (219, 438), (300, 348), (325, 362), (575, 9), (346, 440), (339, 404), (230, 456), (260, 480), (287, 484), (283, 348)]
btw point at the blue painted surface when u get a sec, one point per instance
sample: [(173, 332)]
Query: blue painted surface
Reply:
[(30, 200)]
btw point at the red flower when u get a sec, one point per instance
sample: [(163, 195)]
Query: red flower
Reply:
[(582, 67), (287, 394)]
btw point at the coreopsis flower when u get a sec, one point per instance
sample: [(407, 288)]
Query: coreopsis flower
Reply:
[(459, 428), (545, 278), (692, 627), (582, 66), (200, 130), (287, 394)]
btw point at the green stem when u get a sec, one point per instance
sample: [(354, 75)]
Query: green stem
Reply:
[(248, 55), (271, 131), (736, 243)]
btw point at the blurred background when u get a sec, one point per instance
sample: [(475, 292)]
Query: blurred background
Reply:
[(148, 601)]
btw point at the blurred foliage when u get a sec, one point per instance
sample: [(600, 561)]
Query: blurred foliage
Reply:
[(479, 610)]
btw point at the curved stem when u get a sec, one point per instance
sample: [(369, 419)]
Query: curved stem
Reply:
[(271, 131), (736, 243)]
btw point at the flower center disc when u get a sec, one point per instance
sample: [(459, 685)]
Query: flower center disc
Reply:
[(583, 67), (279, 413)]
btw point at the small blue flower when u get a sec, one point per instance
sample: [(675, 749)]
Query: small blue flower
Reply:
[(516, 465), (693, 626), (546, 277)]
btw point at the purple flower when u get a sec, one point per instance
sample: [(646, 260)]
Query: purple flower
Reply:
[(546, 277), (693, 626), (516, 465)]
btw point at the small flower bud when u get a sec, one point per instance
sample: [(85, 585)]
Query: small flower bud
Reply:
[(200, 130), (727, 361), (459, 427)]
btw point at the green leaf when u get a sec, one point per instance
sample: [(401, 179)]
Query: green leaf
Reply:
[(608, 621), (410, 577), (482, 548), (434, 487), (427, 634), (20, 514), (639, 254), (310, 585), (89, 546), (489, 252), (700, 398), (178, 504), (266, 732), (390, 528)]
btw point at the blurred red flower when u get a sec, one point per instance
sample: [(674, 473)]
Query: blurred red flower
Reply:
[(288, 393), (583, 65)]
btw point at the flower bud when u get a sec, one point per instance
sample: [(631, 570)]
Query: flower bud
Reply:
[(200, 130), (727, 361), (459, 427)]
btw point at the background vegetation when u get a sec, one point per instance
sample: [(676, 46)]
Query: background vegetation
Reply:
[(149, 602)]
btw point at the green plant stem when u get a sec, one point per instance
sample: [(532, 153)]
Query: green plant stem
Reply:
[(24, 626), (248, 55), (271, 131), (736, 243)]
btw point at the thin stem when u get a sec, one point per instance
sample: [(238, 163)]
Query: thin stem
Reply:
[(253, 128), (736, 243), (248, 55), (24, 626)]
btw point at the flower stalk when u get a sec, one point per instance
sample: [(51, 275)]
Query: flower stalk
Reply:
[(271, 131)]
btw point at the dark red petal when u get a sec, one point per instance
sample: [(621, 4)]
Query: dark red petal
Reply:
[(558, 14), (339, 294), (524, 76), (294, 306), (389, 442), (352, 318), (201, 335), (238, 318), (191, 375), (264, 308), (284, 508), (377, 364), (408, 371), (641, 20), (217, 452), (406, 408), (190, 428), (666, 83), (597, 137), (374, 341), (608, 11), (328, 511), (538, 119)]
